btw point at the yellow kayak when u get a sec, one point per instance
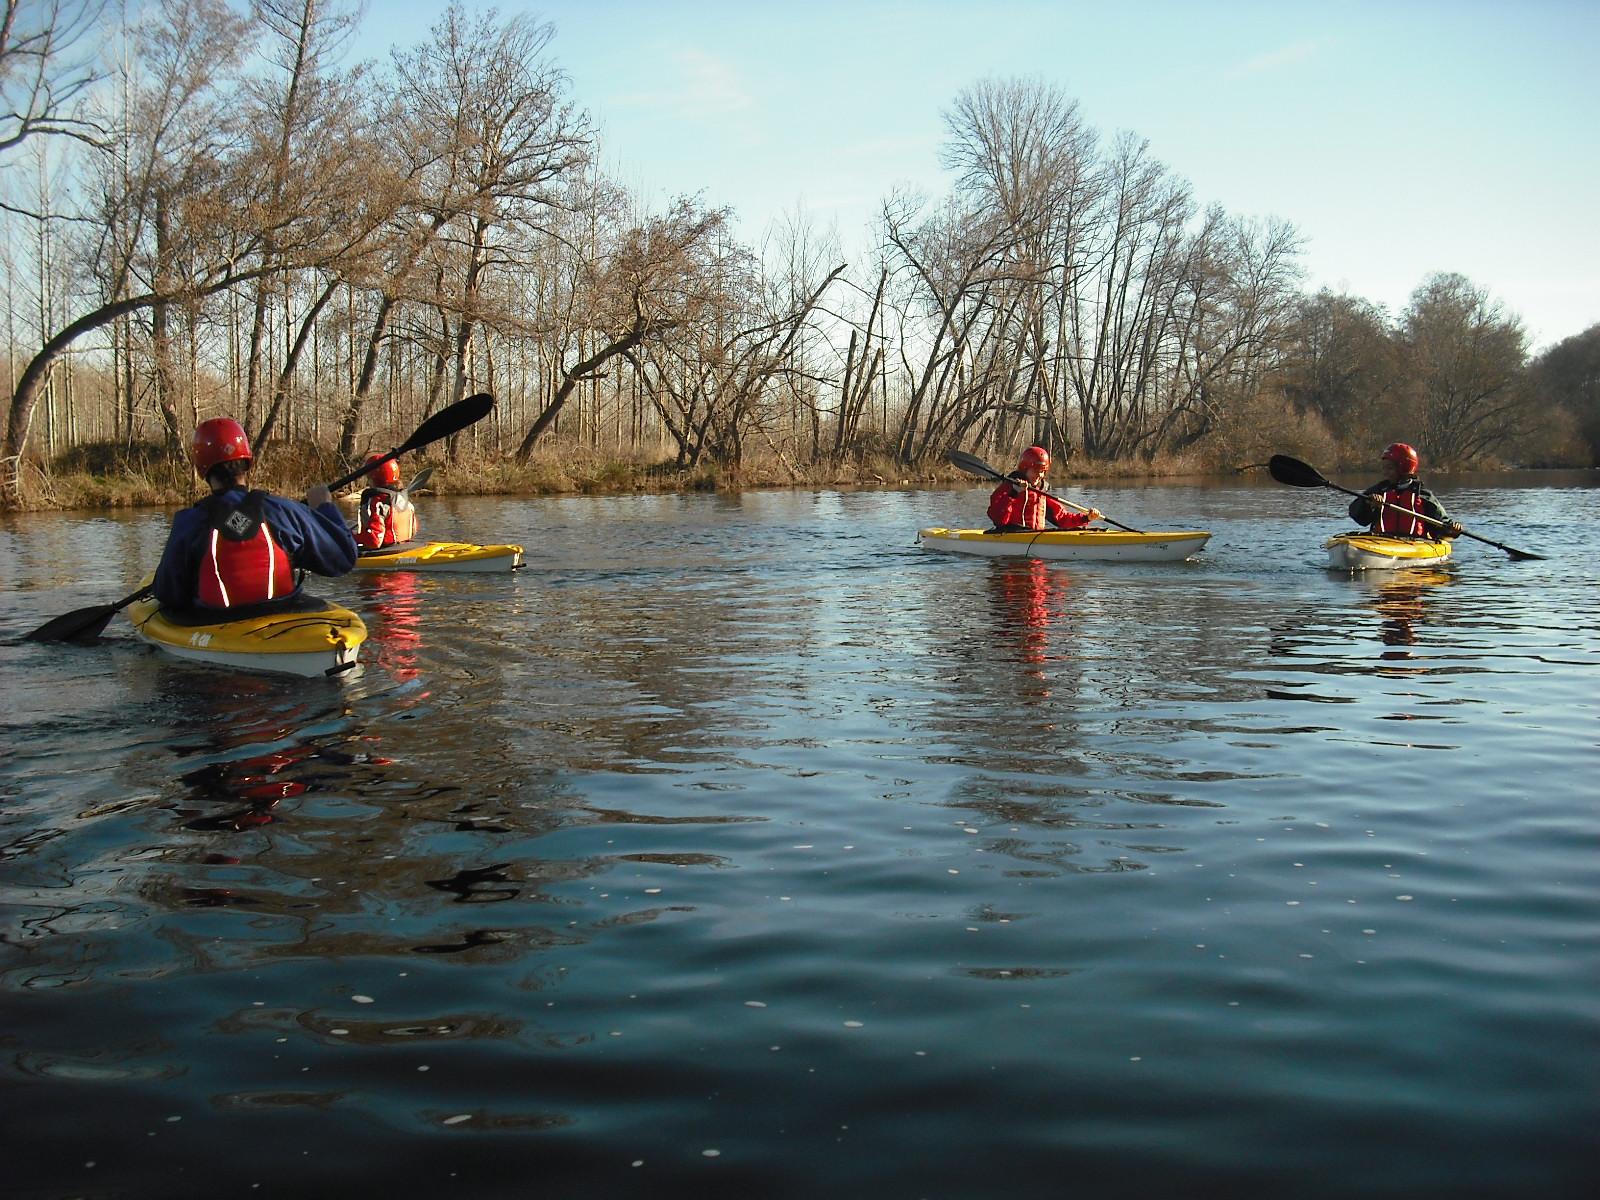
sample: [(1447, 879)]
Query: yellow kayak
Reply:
[(1378, 552), (440, 556), (318, 639), (1089, 545)]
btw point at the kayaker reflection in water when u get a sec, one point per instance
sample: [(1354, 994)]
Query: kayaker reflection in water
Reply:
[(386, 515), (1397, 501), (1028, 593), (241, 550), (1015, 507)]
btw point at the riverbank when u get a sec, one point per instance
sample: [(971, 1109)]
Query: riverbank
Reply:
[(111, 476), (116, 476)]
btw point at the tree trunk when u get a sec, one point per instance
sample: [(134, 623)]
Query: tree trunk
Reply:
[(281, 388), (572, 378)]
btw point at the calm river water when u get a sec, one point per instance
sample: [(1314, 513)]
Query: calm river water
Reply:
[(739, 847)]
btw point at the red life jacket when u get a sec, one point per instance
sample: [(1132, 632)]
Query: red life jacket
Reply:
[(1398, 520), (1007, 508), (1031, 510), (242, 562), (386, 518)]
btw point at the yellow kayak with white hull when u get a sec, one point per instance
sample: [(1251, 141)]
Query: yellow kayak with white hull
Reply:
[(1381, 552), (441, 556), (314, 638), (1085, 545)]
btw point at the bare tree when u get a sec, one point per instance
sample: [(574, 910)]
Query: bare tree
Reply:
[(49, 64), (1020, 150), (1341, 363), (485, 90), (862, 369), (646, 284), (960, 288), (1567, 378), (295, 107), (708, 384), (201, 206), (1464, 355)]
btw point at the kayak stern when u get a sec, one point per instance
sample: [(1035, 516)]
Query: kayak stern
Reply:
[(325, 641), (442, 556)]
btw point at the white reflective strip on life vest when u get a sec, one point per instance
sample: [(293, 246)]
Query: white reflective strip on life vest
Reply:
[(272, 566), (216, 571)]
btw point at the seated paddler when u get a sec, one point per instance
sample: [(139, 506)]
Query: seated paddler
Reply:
[(1395, 504), (1022, 505), (386, 516), (241, 551)]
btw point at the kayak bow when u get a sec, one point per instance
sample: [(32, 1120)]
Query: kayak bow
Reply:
[(1378, 552)]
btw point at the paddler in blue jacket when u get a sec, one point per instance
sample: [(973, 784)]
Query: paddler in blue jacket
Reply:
[(240, 551), (1392, 505)]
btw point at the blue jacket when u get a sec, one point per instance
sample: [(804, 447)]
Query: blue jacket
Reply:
[(316, 540)]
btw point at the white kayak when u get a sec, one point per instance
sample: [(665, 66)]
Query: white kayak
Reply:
[(1087, 545), (441, 556), (1381, 552)]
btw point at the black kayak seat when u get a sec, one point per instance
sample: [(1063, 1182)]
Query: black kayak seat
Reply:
[(297, 602), (397, 548)]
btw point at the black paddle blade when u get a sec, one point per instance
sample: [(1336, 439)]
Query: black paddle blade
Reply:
[(971, 462), (450, 420), (441, 425), (1294, 472), (83, 626)]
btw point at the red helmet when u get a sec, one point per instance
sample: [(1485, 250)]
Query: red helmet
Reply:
[(219, 440), (385, 473), (1034, 456), (1399, 452)]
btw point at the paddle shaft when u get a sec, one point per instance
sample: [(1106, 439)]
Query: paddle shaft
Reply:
[(971, 462)]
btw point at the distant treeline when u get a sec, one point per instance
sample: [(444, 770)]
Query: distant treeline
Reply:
[(204, 212)]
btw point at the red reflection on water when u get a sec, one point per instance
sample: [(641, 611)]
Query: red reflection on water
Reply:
[(251, 780), (395, 622), (1026, 598)]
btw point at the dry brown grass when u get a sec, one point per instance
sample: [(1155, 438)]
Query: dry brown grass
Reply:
[(112, 475)]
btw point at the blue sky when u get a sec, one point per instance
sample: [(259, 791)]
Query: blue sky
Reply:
[(1400, 138)]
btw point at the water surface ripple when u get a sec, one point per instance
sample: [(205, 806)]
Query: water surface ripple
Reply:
[(739, 847)]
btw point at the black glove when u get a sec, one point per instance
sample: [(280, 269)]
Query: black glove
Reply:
[(1453, 529)]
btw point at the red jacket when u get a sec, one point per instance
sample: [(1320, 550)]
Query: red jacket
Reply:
[(386, 518), (1031, 510)]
